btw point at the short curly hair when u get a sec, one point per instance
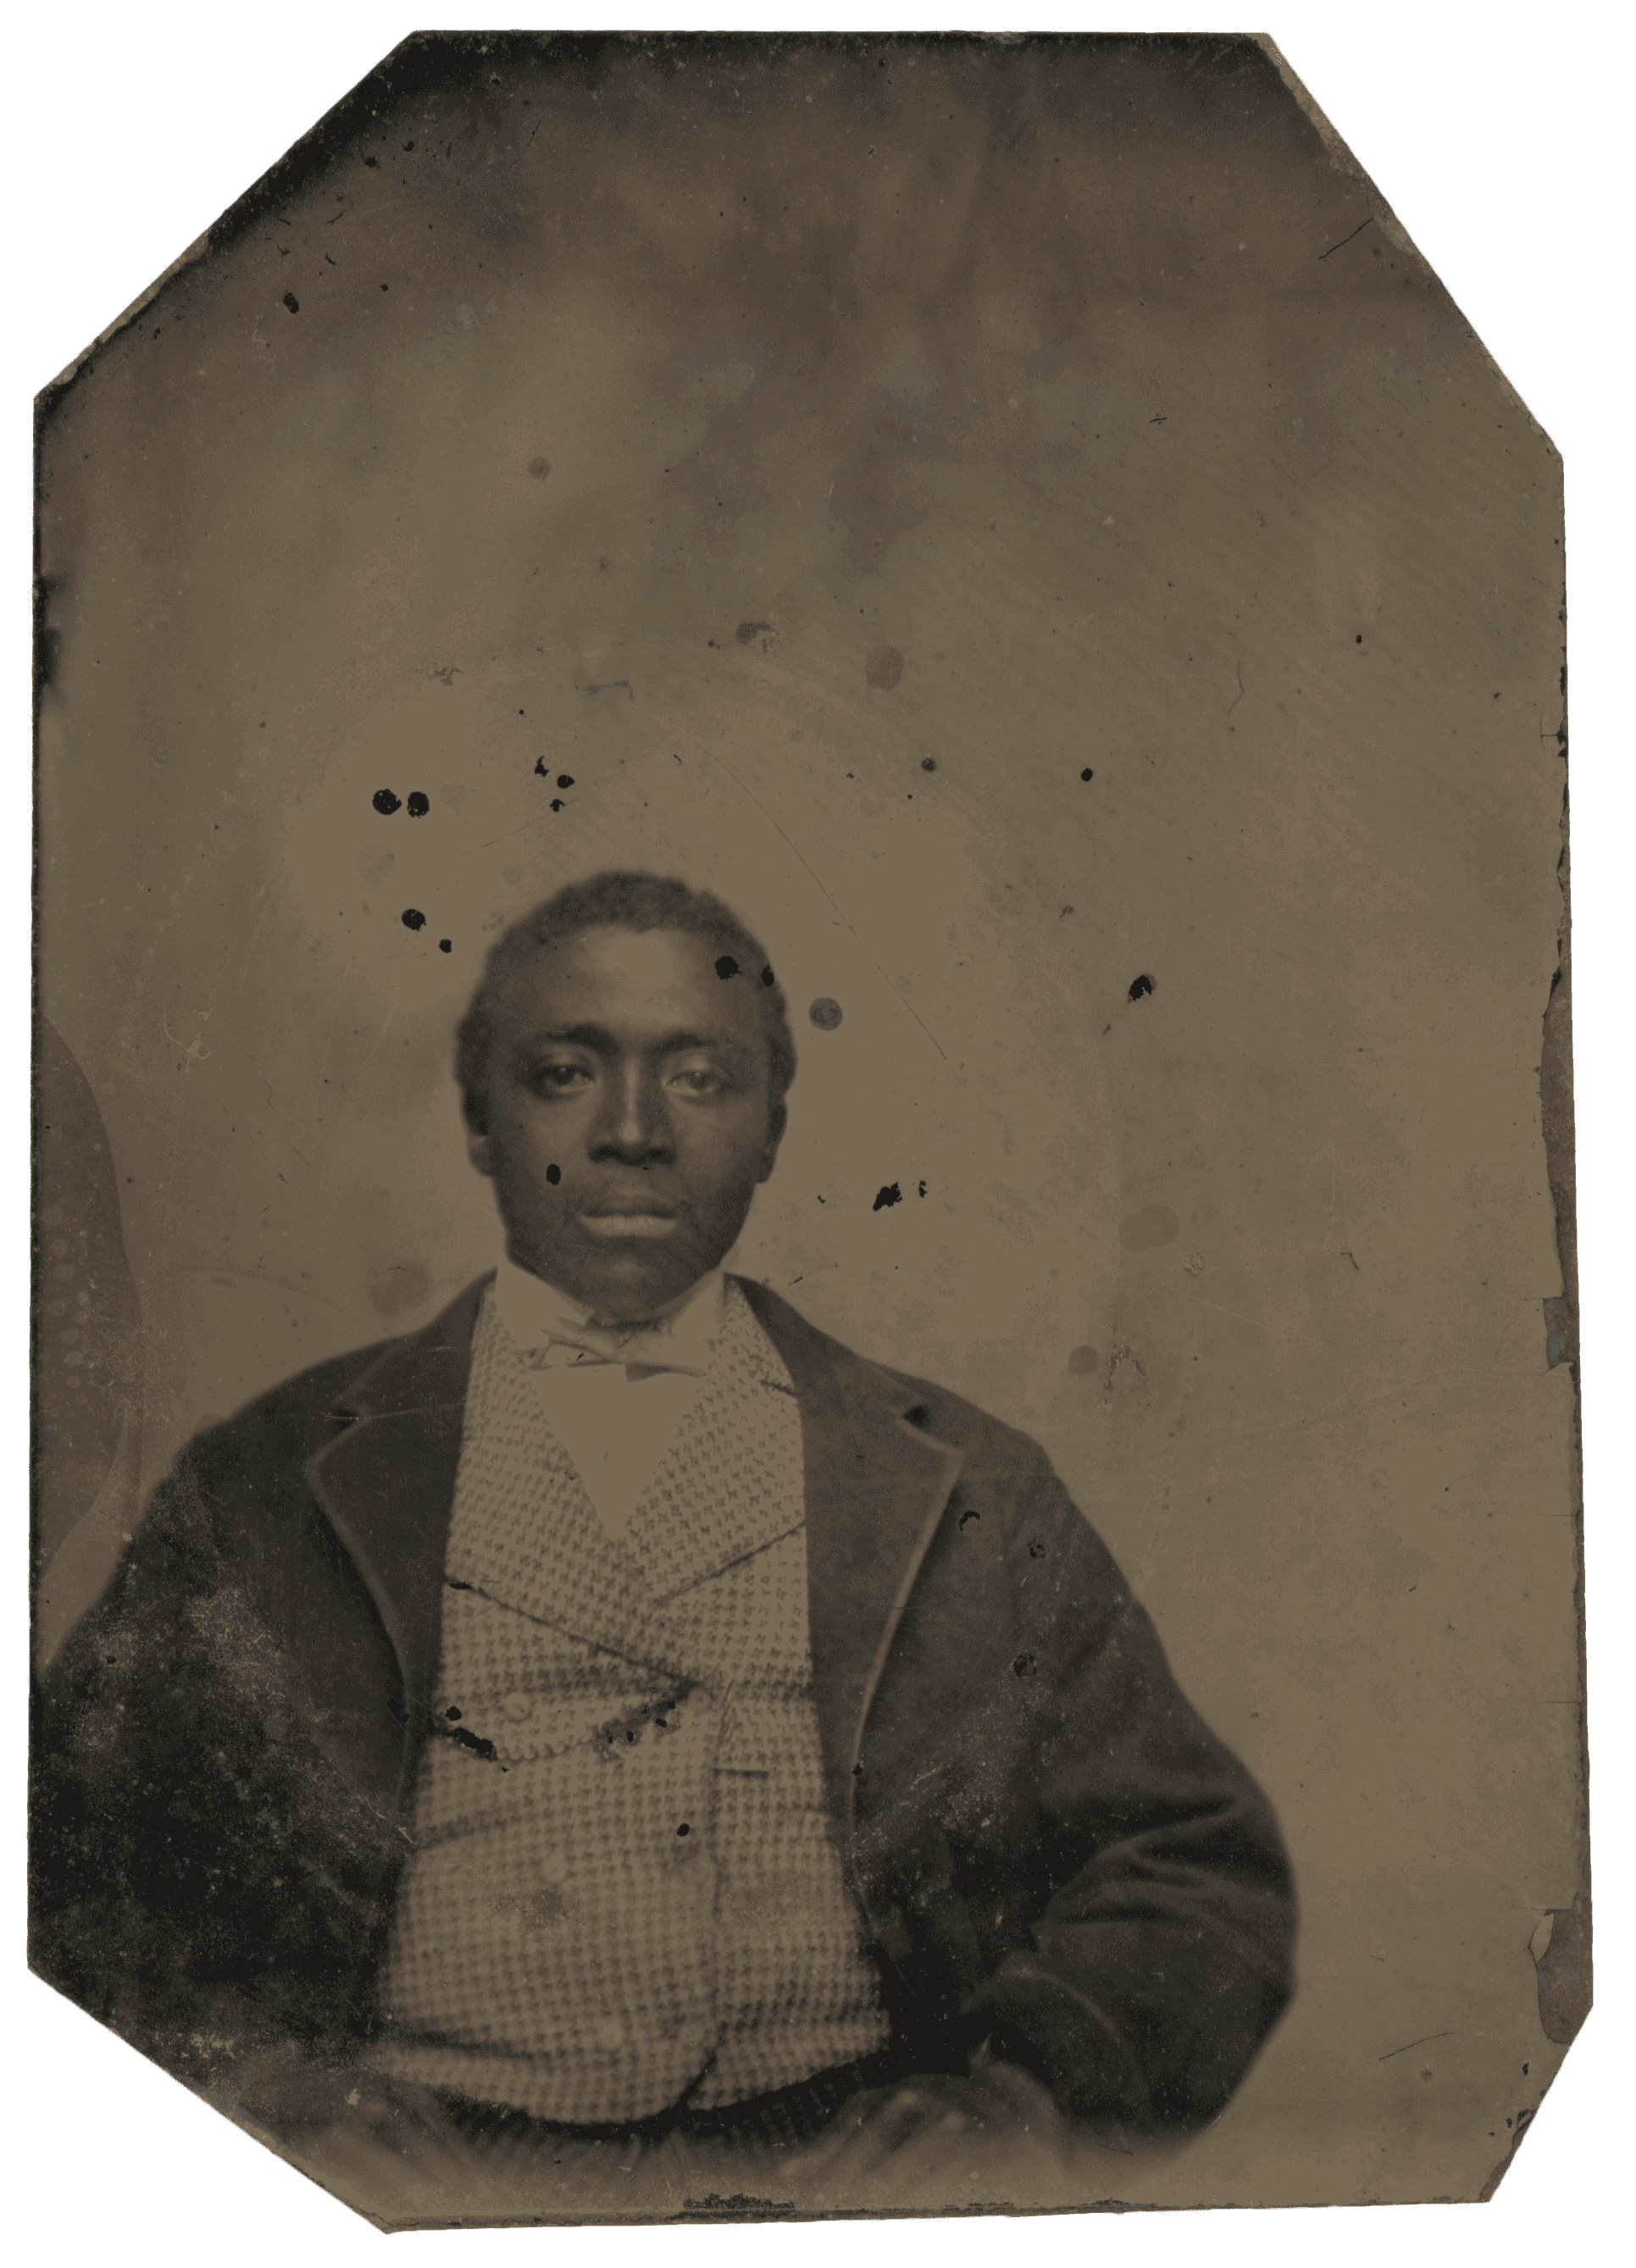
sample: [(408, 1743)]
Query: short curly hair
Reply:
[(627, 901)]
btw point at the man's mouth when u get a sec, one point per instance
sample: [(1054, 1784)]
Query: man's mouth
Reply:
[(647, 1219)]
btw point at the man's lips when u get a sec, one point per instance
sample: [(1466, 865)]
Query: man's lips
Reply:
[(642, 1216)]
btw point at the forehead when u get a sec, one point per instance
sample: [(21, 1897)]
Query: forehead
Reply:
[(637, 985)]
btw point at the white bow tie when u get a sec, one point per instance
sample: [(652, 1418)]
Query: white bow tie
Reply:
[(648, 1347), (554, 1332)]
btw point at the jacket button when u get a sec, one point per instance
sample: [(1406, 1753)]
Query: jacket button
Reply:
[(609, 2034), (518, 1708)]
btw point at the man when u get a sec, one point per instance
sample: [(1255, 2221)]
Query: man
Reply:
[(617, 1717)]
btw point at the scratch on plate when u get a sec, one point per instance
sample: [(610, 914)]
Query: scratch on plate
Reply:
[(195, 1050), (1407, 2044), (851, 931)]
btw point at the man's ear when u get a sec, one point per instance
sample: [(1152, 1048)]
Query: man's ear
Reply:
[(477, 1147), (777, 1119)]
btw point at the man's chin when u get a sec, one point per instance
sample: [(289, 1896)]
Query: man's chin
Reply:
[(624, 1281)]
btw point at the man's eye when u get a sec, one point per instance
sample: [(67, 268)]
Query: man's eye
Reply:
[(700, 1082), (560, 1077)]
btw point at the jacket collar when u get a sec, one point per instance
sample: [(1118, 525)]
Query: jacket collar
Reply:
[(876, 1485)]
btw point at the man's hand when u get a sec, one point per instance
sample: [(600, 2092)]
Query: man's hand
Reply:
[(981, 2138), (293, 2097), (377, 2141)]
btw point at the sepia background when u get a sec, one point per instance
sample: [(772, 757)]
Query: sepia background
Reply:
[(739, 434)]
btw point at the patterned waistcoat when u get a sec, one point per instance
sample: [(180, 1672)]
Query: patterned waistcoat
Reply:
[(623, 1890)]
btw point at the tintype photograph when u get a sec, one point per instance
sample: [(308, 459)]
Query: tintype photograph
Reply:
[(805, 1331)]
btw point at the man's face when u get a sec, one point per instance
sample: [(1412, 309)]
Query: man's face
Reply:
[(629, 1119)]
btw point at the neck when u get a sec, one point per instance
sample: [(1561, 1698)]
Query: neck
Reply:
[(523, 1282)]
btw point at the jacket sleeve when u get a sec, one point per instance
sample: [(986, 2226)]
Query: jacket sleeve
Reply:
[(1159, 1954), (198, 1882)]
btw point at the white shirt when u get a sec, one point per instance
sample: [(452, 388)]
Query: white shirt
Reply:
[(615, 1420)]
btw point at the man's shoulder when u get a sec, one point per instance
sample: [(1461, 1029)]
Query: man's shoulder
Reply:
[(989, 1444), (319, 1391), (328, 1392), (811, 1354)]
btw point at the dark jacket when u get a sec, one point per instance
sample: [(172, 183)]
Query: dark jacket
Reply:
[(1048, 1848)]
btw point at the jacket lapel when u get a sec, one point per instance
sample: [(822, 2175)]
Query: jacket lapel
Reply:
[(386, 1482), (877, 1487)]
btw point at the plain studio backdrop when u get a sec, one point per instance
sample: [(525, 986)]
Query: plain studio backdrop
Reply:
[(831, 608)]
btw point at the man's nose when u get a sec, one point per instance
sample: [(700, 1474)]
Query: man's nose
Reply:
[(634, 1124)]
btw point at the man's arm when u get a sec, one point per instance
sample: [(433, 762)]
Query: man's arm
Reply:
[(199, 1880), (1078, 1887), (1160, 1956)]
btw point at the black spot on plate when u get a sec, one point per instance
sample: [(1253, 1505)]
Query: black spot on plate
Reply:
[(413, 919), (475, 1742), (889, 1195), (384, 802), (1143, 984), (727, 965)]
